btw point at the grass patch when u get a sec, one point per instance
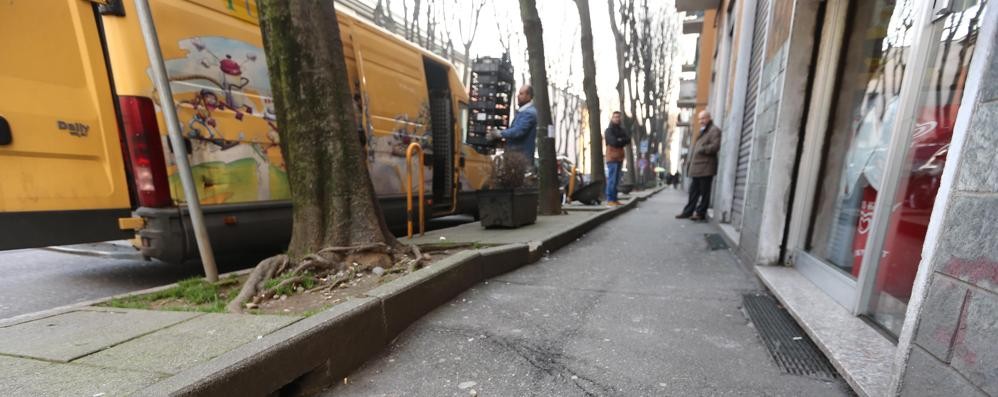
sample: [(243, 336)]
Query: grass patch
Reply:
[(193, 294)]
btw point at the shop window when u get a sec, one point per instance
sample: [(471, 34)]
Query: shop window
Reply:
[(873, 61), (880, 35), (934, 116)]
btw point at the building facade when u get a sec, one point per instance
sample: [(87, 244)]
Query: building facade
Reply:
[(859, 176)]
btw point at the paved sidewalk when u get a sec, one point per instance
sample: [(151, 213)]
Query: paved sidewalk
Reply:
[(638, 307), (90, 351)]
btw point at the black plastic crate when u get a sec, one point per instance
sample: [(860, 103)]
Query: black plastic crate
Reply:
[(490, 106), (487, 64), (481, 119), (479, 140), (484, 78)]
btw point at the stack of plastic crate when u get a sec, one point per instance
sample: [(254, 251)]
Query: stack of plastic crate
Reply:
[(491, 99)]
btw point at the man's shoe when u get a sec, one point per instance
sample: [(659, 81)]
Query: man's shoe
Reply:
[(613, 204), (682, 216), (696, 217)]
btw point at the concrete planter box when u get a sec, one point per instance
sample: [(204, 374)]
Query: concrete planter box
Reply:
[(508, 207)]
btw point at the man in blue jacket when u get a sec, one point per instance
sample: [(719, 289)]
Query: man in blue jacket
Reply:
[(521, 136)]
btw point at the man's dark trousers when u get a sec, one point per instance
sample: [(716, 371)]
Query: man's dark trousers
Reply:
[(699, 191)]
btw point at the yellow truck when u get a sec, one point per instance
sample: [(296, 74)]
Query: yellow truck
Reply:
[(84, 154)]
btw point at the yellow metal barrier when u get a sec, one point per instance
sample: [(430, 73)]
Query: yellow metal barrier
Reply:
[(422, 188)]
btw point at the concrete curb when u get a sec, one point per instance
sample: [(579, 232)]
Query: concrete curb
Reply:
[(408, 298), (315, 353)]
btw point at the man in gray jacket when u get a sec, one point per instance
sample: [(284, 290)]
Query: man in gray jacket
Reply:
[(702, 168)]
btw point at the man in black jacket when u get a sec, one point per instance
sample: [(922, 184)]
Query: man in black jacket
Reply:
[(616, 138)]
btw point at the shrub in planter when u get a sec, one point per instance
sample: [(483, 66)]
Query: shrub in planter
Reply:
[(508, 201)]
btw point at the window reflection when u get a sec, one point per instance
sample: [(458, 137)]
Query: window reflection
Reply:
[(935, 114), (873, 63)]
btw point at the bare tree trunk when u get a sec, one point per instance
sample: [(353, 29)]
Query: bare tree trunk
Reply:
[(592, 96), (414, 27), (550, 203), (431, 25), (333, 200), (337, 226), (405, 20), (468, 35)]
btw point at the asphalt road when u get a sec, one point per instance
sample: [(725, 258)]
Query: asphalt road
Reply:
[(38, 279), (639, 307)]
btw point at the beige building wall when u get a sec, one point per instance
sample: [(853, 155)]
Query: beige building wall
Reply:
[(705, 64)]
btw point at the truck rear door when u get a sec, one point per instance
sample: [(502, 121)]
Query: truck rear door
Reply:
[(62, 177)]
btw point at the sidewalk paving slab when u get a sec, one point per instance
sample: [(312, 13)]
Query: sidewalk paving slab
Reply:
[(333, 341), (17, 367), (28, 377), (189, 343), (65, 337)]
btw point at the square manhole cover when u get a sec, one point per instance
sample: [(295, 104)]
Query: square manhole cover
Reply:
[(715, 242)]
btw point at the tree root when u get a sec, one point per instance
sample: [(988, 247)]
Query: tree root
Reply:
[(417, 257), (346, 276), (332, 262), (264, 271), (353, 249), (315, 261), (284, 283)]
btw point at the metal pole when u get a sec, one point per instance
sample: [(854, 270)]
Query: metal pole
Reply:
[(176, 139)]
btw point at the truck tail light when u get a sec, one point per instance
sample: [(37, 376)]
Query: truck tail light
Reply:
[(145, 150)]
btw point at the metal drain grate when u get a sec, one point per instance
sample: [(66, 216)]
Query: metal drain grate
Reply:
[(791, 348), (715, 242)]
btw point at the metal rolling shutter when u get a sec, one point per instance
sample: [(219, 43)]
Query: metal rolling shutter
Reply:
[(748, 120)]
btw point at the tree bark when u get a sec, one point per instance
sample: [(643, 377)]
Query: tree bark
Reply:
[(333, 200), (550, 202), (592, 96)]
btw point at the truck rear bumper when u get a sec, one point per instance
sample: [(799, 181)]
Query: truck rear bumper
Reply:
[(45, 228), (169, 236), (259, 227)]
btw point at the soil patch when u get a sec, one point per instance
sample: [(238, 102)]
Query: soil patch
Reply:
[(196, 294)]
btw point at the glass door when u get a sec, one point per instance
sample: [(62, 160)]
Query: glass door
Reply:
[(916, 165)]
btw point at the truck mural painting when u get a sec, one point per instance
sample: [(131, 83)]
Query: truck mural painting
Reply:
[(223, 98), (222, 94)]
